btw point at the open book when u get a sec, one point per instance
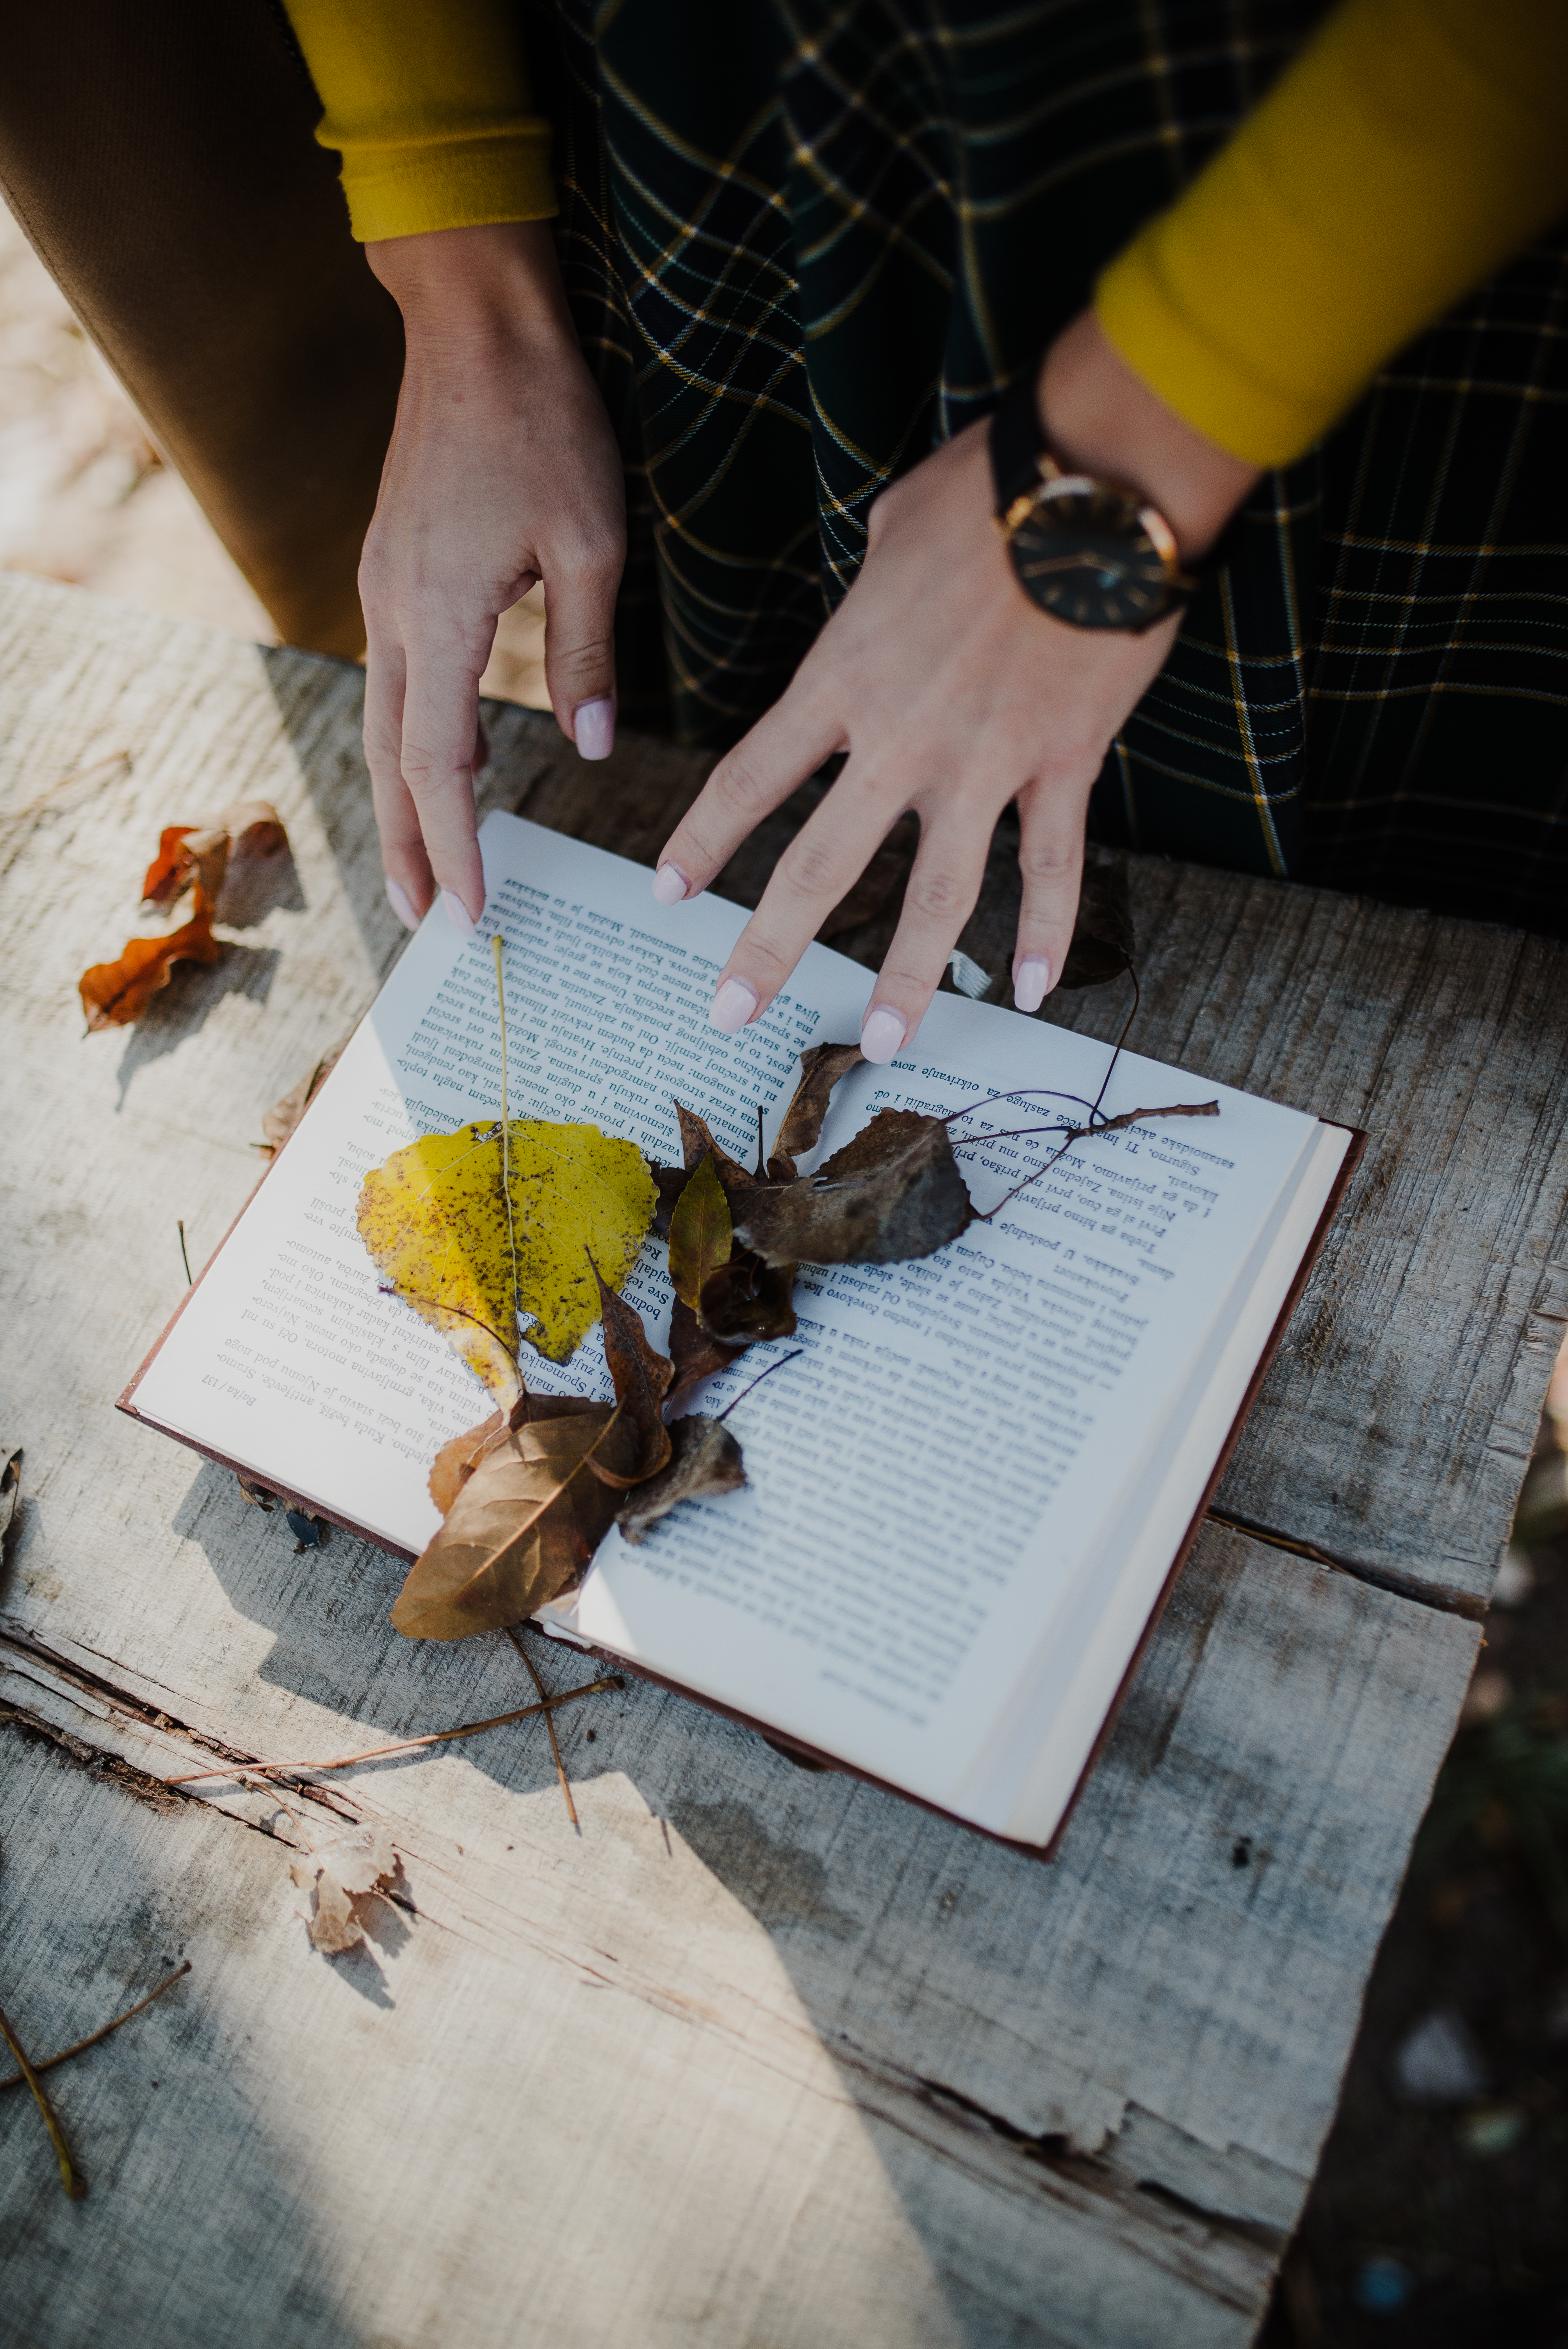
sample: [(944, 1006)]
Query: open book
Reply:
[(966, 1495)]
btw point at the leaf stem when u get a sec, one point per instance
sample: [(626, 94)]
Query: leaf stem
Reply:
[(757, 1381), (515, 1636), (80, 2046), (404, 1745), (497, 949), (184, 1253), (74, 2184)]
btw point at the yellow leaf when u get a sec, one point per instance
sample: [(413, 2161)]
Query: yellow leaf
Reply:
[(473, 1254), (701, 1236)]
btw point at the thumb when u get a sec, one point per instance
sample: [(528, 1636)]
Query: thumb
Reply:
[(580, 653)]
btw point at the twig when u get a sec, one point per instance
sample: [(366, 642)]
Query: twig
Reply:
[(404, 1745), (76, 2185), (16, 2079), (184, 1254), (37, 807), (757, 1381), (496, 947), (515, 1636)]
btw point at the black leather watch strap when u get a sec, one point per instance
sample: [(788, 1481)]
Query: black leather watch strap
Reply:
[(1017, 441)]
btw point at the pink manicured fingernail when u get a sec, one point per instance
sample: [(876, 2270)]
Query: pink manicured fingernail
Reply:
[(459, 914), (1030, 981), (593, 728), (733, 1006), (401, 904), (670, 885), (882, 1034)]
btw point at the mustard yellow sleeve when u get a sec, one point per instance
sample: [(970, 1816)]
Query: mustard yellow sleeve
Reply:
[(1412, 149), (429, 103)]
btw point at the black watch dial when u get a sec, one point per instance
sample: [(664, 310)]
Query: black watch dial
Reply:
[(1084, 553)]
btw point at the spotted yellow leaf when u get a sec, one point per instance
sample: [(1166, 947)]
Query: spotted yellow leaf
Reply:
[(475, 1254)]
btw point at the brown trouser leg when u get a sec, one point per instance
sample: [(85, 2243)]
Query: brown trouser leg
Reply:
[(159, 155)]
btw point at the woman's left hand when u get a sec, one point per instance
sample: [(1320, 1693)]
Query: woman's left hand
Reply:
[(952, 694)]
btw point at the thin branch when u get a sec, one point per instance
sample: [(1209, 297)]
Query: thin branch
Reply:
[(496, 947), (16, 2079), (515, 1636), (757, 1381), (71, 2178), (184, 1254), (404, 1745)]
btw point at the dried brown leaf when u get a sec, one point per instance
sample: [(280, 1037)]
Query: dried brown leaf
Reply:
[(10, 1495), (701, 1233), (116, 994), (200, 854), (747, 1298), (279, 1121), (697, 1355), (338, 1875), (893, 1192), (456, 1461), (525, 1520), (704, 1459), (642, 1377), (669, 1182), (697, 1143), (820, 1067)]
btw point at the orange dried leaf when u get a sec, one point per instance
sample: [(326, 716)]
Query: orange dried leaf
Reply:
[(116, 994), (171, 869)]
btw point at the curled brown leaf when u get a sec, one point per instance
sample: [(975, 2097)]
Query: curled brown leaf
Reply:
[(525, 1520), (642, 1377), (697, 1355), (747, 1298), (893, 1192), (705, 1460), (822, 1066), (117, 994)]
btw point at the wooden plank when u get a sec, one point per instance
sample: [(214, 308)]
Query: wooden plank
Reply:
[(864, 2044)]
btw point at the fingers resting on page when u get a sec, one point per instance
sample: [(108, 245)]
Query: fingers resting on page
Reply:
[(952, 696)]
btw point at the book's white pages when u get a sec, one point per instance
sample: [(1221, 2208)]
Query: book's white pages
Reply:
[(964, 1495)]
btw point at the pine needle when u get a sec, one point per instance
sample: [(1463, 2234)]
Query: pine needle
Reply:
[(404, 1745), (515, 1636), (71, 2178), (17, 2079)]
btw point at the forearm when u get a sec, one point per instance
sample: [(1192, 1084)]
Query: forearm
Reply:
[(1412, 149)]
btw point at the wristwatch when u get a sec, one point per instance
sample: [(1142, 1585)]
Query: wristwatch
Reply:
[(1086, 551)]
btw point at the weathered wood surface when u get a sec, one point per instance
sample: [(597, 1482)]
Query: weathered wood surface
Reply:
[(764, 2056)]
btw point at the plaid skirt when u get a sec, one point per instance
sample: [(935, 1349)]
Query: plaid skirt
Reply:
[(806, 242)]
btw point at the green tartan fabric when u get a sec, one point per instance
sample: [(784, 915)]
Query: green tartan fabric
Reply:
[(804, 243)]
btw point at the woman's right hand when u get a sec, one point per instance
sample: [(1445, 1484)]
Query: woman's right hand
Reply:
[(503, 470)]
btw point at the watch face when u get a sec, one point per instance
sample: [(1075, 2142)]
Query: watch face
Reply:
[(1084, 553)]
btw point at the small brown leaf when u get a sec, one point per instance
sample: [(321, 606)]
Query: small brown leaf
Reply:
[(456, 1461), (697, 1355), (669, 1182), (696, 1142), (279, 1121), (169, 871), (893, 1192), (820, 1067), (10, 1495), (701, 1234), (524, 1522), (199, 852), (116, 994), (704, 1459), (340, 1875), (747, 1299), (641, 1378)]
